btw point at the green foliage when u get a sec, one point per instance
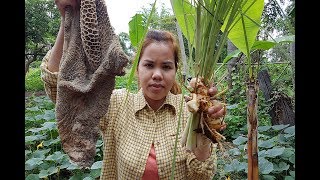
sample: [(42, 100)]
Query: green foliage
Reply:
[(161, 19), (44, 157), (121, 82), (35, 64), (126, 44), (33, 81), (276, 156)]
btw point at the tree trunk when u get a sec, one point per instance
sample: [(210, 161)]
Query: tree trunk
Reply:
[(183, 53), (252, 121), (293, 64), (28, 62), (282, 110), (231, 63)]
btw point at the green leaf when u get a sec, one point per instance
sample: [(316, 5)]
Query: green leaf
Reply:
[(95, 173), (284, 39), (34, 161), (51, 141), (49, 126), (263, 45), (234, 151), (265, 166), (267, 143), (279, 127), (268, 177), (263, 128), (235, 166), (56, 156), (43, 174), (185, 14), (52, 170), (262, 153), (76, 177), (40, 153), (73, 166), (292, 159), (292, 173), (275, 151), (231, 55), (288, 178), (239, 140), (283, 166), (97, 165), (290, 130), (136, 29), (243, 35), (49, 115), (288, 152), (33, 177), (35, 108), (88, 178)]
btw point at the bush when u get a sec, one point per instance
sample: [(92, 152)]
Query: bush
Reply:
[(276, 155), (33, 80)]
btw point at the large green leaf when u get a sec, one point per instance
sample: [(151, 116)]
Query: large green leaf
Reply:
[(244, 32), (185, 14), (136, 29), (266, 45)]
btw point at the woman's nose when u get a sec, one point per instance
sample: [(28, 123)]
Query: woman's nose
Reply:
[(157, 74)]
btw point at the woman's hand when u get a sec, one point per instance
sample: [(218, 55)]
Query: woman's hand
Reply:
[(61, 4), (218, 109)]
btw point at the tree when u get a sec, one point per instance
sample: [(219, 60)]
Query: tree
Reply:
[(162, 18), (125, 43), (41, 26)]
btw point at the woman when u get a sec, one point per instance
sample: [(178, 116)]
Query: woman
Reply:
[(139, 131)]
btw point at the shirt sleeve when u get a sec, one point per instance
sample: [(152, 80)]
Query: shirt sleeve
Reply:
[(49, 78), (116, 97), (197, 169)]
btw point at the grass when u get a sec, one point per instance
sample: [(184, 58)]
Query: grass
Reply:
[(33, 81)]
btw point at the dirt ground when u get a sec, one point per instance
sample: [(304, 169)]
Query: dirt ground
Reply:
[(37, 93)]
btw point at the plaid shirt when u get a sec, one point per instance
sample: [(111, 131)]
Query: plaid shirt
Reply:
[(130, 127)]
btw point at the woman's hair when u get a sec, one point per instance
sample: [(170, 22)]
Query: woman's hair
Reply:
[(168, 37)]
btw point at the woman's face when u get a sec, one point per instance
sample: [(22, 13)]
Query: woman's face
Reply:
[(157, 71)]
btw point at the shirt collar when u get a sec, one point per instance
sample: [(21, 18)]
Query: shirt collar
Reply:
[(170, 100)]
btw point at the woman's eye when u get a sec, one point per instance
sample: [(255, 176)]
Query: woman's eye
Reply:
[(167, 67), (149, 65)]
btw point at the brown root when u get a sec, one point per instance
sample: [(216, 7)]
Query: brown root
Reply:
[(201, 101)]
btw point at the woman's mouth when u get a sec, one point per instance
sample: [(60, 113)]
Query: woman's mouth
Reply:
[(156, 87)]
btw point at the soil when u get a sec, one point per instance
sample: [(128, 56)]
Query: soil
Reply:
[(36, 93)]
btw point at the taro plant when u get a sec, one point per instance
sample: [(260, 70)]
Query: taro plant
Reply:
[(207, 25), (276, 154)]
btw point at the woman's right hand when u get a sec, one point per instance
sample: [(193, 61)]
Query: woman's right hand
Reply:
[(61, 4)]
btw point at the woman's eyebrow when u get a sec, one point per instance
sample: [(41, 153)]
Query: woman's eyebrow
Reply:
[(148, 61), (168, 62)]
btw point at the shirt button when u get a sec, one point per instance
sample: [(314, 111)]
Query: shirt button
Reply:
[(153, 120)]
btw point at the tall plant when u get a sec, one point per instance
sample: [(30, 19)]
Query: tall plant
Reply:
[(207, 24)]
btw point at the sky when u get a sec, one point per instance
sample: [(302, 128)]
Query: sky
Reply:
[(121, 11)]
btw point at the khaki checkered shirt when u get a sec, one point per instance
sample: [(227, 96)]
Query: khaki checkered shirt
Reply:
[(130, 127)]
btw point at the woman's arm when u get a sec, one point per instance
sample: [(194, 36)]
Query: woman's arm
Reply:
[(56, 51), (51, 62), (206, 169)]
